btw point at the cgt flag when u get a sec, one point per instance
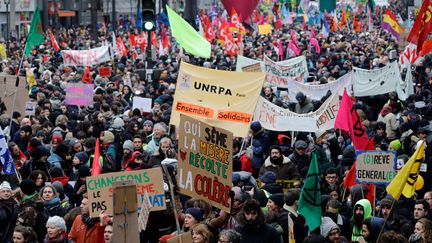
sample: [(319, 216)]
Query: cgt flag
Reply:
[(6, 159), (422, 25), (403, 182)]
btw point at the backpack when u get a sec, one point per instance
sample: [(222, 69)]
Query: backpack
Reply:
[(109, 163)]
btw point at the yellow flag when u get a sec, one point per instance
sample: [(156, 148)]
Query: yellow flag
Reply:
[(3, 51), (31, 80), (403, 182)]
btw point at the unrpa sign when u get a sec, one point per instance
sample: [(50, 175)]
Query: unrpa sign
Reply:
[(375, 167)]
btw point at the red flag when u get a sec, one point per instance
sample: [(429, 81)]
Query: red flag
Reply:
[(314, 42), (138, 40), (342, 23), (230, 46), (356, 24), (121, 47), (164, 37), (348, 120), (154, 39), (293, 47), (87, 78), (293, 38), (235, 22), (96, 167), (422, 25), (208, 30), (54, 41), (280, 49), (278, 24), (223, 33)]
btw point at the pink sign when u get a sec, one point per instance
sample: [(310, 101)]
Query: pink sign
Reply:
[(79, 94)]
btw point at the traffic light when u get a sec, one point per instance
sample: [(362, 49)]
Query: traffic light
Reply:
[(148, 15)]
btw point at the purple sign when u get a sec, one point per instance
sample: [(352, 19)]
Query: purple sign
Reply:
[(79, 94)]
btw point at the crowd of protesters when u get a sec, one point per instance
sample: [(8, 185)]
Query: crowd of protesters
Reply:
[(46, 199)]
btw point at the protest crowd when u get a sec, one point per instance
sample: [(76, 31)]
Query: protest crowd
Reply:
[(335, 149)]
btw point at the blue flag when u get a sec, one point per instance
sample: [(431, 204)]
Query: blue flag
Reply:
[(5, 157), (139, 16), (163, 19)]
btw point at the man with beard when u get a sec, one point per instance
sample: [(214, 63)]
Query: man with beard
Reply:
[(299, 157), (253, 227), (239, 197), (280, 165), (128, 148), (390, 211), (362, 211)]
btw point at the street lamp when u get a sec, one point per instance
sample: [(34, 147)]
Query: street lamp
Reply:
[(7, 2)]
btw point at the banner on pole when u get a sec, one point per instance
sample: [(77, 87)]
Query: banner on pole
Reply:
[(205, 162), (86, 58), (275, 118), (375, 167), (220, 98), (100, 190)]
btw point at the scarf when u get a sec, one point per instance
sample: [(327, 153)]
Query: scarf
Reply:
[(386, 110), (59, 238), (89, 222), (30, 197), (53, 202)]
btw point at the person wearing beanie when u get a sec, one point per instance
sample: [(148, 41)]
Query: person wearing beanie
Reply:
[(38, 161), (58, 158), (56, 230), (268, 183), (330, 230), (8, 212), (79, 159), (304, 104), (276, 204), (75, 145), (55, 140), (260, 145), (396, 146), (64, 199), (16, 119), (128, 149), (147, 130), (192, 216), (31, 203), (108, 146), (80, 185), (282, 166)]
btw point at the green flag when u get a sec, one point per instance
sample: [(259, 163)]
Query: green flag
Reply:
[(36, 35), (327, 5), (187, 36), (310, 198)]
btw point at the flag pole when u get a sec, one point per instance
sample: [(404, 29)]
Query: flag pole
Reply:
[(16, 87)]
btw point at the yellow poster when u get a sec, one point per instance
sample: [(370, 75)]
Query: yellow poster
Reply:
[(3, 52), (264, 29), (220, 98)]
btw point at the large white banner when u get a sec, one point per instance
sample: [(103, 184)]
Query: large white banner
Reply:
[(316, 92), (380, 81), (85, 58), (243, 61), (279, 74), (275, 118)]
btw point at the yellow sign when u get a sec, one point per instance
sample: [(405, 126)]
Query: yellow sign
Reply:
[(219, 98), (264, 29), (3, 52)]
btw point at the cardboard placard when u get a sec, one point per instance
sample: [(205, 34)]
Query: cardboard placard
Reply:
[(264, 29), (100, 189), (143, 104), (252, 68), (375, 167), (104, 71), (125, 222), (205, 162), (182, 238), (30, 108), (79, 94), (7, 87)]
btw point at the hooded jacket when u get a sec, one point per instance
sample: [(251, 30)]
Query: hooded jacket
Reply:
[(259, 232), (367, 209)]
